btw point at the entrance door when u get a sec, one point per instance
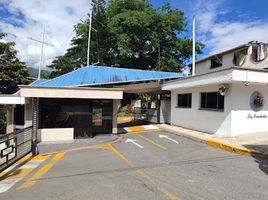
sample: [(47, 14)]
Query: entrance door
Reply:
[(102, 111)]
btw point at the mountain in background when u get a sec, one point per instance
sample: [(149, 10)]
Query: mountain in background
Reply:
[(34, 73)]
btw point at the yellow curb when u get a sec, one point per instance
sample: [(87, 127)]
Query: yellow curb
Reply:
[(234, 149)]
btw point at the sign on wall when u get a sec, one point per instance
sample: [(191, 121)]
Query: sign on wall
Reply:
[(256, 101), (256, 104)]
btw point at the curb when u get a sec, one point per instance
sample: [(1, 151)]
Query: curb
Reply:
[(93, 146), (221, 145), (235, 149)]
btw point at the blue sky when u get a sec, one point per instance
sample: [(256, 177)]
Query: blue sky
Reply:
[(221, 24)]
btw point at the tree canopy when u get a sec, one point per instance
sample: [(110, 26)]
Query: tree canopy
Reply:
[(12, 71), (130, 33)]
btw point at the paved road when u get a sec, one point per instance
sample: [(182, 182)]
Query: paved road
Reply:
[(150, 168)]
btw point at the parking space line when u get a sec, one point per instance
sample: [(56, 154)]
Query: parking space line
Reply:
[(168, 194), (33, 179), (151, 141)]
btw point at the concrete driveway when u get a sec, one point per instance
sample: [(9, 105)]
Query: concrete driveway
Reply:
[(148, 165)]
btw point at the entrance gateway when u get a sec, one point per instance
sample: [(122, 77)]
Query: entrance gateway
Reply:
[(82, 103)]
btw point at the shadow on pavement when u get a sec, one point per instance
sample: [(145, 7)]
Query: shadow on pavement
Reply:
[(262, 161)]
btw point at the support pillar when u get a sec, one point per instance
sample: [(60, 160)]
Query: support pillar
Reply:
[(35, 121), (115, 107), (28, 114), (10, 119)]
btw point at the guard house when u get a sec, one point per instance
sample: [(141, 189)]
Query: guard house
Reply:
[(228, 96), (81, 103)]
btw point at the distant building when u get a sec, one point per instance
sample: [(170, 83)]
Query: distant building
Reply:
[(228, 96)]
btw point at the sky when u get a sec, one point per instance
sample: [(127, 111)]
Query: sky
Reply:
[(220, 24)]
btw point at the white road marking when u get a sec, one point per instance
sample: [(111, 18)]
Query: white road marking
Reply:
[(9, 182), (168, 138), (134, 142), (6, 184)]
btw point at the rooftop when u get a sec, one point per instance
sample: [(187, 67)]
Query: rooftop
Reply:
[(103, 75)]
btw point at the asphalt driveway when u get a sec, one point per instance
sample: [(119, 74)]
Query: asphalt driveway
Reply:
[(148, 165)]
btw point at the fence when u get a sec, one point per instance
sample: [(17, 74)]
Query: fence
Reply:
[(14, 146)]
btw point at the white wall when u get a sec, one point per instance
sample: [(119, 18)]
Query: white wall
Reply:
[(202, 120), (55, 134), (227, 62), (241, 124), (204, 67)]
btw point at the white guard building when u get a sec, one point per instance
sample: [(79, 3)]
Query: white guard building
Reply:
[(228, 96)]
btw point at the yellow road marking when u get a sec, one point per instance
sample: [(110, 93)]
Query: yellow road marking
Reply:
[(32, 180), (18, 173), (168, 194), (151, 141), (58, 156), (38, 157)]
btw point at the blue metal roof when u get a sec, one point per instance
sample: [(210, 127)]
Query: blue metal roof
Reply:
[(102, 75), (38, 82)]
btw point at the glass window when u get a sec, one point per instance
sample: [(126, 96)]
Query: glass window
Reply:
[(216, 62), (184, 100), (212, 100)]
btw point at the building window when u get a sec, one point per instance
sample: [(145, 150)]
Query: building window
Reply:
[(240, 57), (212, 100), (184, 100), (216, 62)]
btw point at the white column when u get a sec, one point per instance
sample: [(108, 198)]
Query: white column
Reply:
[(28, 114), (115, 106), (10, 119)]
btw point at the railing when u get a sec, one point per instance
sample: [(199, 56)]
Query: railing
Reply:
[(14, 146)]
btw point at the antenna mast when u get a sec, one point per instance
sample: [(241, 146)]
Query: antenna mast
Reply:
[(42, 48)]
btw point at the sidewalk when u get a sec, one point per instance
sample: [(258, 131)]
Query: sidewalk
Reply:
[(255, 144), (54, 147)]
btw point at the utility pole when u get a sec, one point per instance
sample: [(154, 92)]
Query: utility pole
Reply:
[(89, 34), (193, 63), (41, 53)]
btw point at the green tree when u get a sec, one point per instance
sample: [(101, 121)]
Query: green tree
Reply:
[(76, 56), (133, 34), (13, 72)]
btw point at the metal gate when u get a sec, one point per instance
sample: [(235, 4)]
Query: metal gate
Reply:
[(154, 115), (14, 146)]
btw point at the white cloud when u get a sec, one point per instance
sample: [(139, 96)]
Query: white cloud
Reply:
[(28, 19), (219, 34)]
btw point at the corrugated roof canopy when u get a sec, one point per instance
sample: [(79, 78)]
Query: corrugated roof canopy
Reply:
[(102, 75)]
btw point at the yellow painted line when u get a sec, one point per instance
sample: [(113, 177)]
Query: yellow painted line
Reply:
[(38, 157), (58, 156), (168, 194), (152, 142), (18, 173), (32, 180), (120, 155)]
